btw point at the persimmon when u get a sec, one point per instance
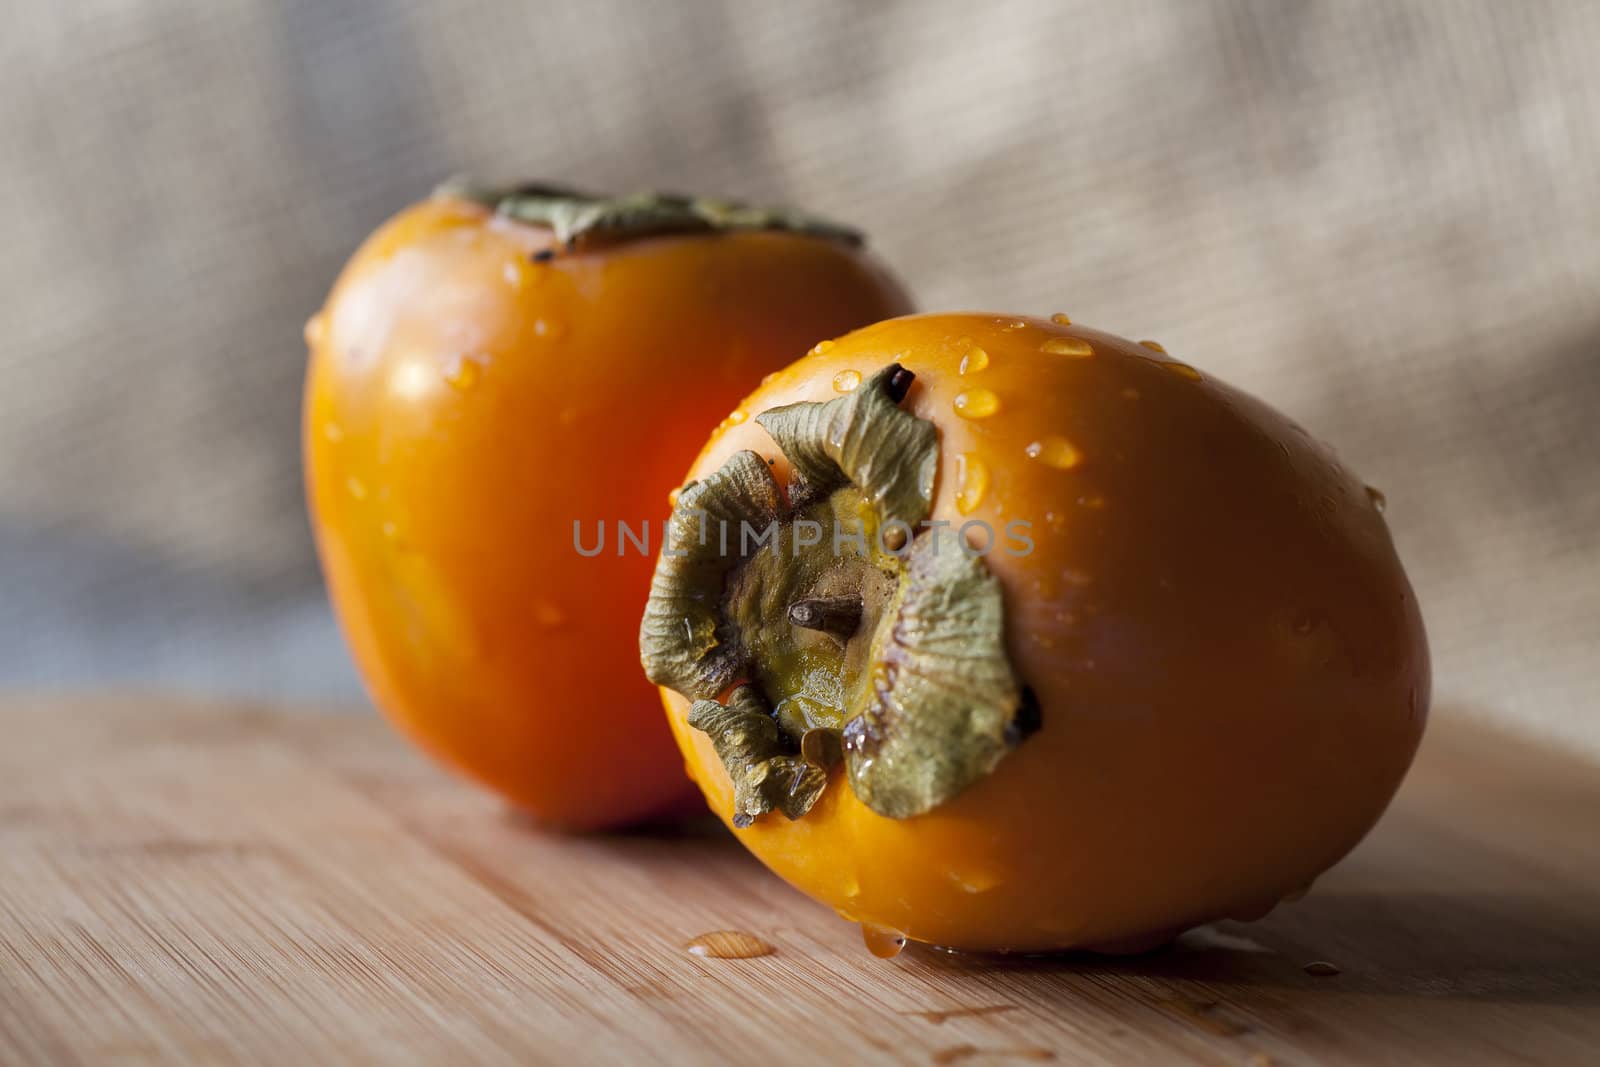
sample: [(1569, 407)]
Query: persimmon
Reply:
[(493, 366), (1033, 638)]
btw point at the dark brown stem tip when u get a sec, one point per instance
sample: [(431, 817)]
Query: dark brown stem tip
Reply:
[(1027, 720), (839, 616), (899, 383)]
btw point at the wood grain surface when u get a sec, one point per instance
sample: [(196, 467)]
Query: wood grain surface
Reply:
[(220, 885)]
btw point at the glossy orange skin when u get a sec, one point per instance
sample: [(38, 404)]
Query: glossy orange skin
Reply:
[(1231, 665), (465, 404)]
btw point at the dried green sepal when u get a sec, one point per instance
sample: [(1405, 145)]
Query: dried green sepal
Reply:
[(893, 663), (943, 698), (765, 775), (577, 218), (864, 439), (683, 638)]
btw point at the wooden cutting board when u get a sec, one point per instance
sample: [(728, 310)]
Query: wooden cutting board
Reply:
[(224, 884)]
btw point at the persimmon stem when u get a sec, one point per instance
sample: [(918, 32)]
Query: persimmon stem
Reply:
[(899, 383), (837, 616)]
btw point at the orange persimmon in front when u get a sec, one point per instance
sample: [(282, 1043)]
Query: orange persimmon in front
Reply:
[(493, 367), (1038, 638)]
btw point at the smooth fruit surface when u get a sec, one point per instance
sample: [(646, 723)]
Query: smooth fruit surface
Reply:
[(473, 392), (1229, 663)]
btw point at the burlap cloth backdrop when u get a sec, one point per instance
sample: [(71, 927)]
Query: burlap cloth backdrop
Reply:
[(1381, 216)]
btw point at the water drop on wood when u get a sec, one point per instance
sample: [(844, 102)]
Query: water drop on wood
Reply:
[(729, 945)]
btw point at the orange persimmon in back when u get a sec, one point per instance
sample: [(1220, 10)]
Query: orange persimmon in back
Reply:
[(494, 367)]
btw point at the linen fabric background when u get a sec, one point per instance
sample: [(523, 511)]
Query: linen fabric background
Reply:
[(1381, 217)]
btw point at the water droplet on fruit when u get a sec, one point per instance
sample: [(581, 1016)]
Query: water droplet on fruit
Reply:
[(978, 881), (315, 329), (1154, 346), (1182, 370), (357, 488), (975, 360), (976, 403), (820, 347), (972, 482), (882, 941), (1321, 969), (547, 614), (391, 530), (1055, 452), (1379, 501), (547, 329), (1061, 318), (1072, 347), (1092, 501), (846, 381), (463, 373), (729, 945), (737, 416), (333, 432), (513, 274)]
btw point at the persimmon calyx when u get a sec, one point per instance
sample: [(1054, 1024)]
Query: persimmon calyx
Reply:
[(577, 218), (851, 631), (766, 776)]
